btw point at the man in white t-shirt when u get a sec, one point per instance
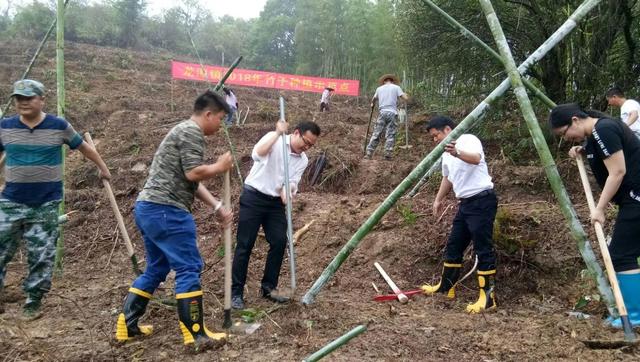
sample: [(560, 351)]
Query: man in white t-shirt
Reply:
[(387, 95), (629, 108), (232, 101), (325, 99), (262, 203), (464, 170)]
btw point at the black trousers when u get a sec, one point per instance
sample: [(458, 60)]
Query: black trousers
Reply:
[(625, 241), (258, 209), (474, 221)]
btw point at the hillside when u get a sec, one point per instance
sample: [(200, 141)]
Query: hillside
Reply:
[(128, 102)]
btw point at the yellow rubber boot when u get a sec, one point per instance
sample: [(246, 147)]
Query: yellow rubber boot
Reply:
[(446, 286), (134, 307), (486, 299), (191, 316)]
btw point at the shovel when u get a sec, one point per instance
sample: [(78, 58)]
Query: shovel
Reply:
[(287, 187), (629, 335)]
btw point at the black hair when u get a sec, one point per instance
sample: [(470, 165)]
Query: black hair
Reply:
[(227, 91), (440, 122), (305, 126), (561, 114), (615, 92), (211, 101)]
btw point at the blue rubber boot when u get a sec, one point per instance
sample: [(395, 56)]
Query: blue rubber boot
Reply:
[(630, 289)]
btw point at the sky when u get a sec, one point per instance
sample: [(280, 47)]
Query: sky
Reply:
[(245, 9)]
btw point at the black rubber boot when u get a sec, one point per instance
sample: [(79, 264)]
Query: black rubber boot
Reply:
[(191, 316), (134, 307), (486, 299), (450, 276)]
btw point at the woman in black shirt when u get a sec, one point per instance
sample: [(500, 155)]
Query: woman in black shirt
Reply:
[(613, 153)]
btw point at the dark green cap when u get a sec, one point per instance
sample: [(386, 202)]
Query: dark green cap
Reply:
[(28, 88)]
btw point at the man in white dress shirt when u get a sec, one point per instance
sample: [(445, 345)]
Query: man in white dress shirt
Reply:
[(464, 170), (262, 203)]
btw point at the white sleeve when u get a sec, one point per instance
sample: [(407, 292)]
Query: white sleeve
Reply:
[(469, 143), (254, 154)]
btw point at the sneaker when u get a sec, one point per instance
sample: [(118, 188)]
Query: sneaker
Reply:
[(237, 302), (273, 296), (388, 157)]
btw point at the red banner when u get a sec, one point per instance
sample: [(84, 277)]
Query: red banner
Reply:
[(256, 78)]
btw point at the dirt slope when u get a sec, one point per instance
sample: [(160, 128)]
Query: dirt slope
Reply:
[(128, 102)]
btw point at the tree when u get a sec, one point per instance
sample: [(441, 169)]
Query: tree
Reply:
[(128, 17)]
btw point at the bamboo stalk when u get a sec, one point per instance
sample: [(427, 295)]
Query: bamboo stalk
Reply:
[(538, 138), (33, 59), (435, 167), (61, 109), (322, 352), (469, 121), (287, 188)]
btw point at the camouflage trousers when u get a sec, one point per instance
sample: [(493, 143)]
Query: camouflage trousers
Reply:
[(38, 226), (389, 121)]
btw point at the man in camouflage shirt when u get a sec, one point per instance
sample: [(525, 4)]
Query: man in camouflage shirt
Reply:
[(32, 142), (163, 216)]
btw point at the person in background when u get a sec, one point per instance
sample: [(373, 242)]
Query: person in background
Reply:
[(629, 108), (232, 101), (387, 95), (325, 99)]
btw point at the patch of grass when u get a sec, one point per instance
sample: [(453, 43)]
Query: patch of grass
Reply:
[(409, 217)]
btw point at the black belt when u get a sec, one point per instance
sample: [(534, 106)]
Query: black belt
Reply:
[(479, 195), (261, 194)]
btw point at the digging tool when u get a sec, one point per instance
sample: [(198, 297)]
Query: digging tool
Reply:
[(287, 188), (629, 335), (409, 293), (399, 294), (116, 212), (227, 254), (366, 138), (388, 297)]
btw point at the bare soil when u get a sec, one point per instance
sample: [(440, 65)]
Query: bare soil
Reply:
[(128, 102)]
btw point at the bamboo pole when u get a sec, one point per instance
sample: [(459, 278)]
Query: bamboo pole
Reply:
[(33, 59), (435, 167), (322, 352), (287, 188), (469, 121), (61, 109), (539, 141)]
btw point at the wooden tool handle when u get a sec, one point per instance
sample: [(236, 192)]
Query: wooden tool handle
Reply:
[(114, 205), (604, 249), (401, 297)]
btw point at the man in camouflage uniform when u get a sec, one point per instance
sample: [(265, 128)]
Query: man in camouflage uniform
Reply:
[(32, 142), (387, 95), (163, 216)]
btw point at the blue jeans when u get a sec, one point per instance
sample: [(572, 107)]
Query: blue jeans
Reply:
[(169, 235)]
